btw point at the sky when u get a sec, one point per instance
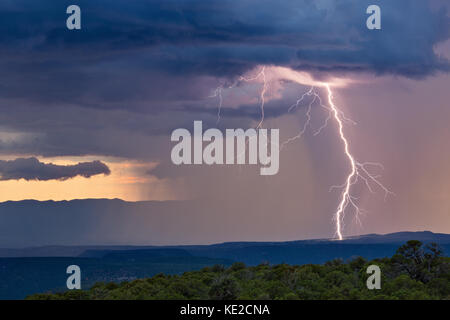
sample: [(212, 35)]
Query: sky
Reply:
[(89, 113)]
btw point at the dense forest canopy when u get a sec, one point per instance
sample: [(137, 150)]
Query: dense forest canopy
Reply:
[(416, 271)]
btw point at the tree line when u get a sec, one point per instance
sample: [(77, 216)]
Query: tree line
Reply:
[(415, 271)]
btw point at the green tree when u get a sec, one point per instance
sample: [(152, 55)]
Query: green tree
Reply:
[(224, 288)]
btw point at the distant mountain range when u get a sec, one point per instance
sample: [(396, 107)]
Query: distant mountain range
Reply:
[(306, 251), (298, 252), (42, 269)]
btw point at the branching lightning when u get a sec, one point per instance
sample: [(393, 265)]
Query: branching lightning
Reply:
[(260, 75), (346, 198), (262, 98), (359, 171)]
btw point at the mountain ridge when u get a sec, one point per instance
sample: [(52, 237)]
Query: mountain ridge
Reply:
[(75, 251)]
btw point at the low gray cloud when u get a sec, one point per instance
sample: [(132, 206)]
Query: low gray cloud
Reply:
[(33, 169)]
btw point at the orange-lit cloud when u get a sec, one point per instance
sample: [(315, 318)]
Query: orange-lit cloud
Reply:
[(129, 180)]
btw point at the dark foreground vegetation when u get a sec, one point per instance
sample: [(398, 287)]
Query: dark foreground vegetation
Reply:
[(416, 271)]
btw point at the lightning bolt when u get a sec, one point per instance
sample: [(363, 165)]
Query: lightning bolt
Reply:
[(359, 171), (345, 198), (218, 94), (316, 97), (262, 96)]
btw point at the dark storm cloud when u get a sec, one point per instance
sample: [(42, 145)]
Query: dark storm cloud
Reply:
[(226, 37), (131, 51), (33, 169), (138, 69)]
